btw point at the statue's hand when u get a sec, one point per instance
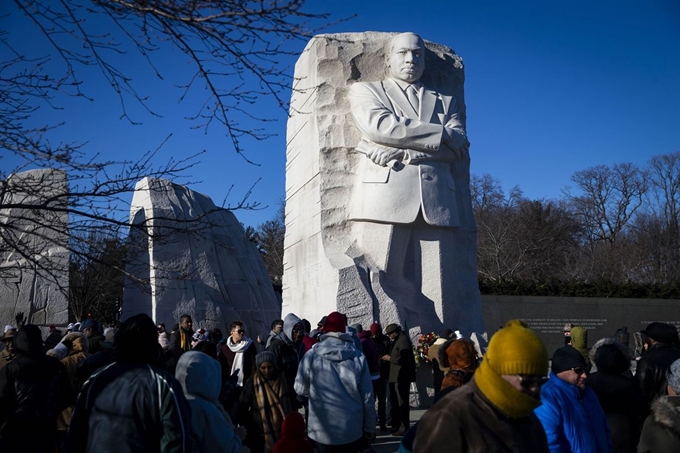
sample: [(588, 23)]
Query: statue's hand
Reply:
[(382, 155), (456, 142)]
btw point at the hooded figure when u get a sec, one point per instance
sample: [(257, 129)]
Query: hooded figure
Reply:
[(293, 439), (460, 357), (288, 348), (579, 340), (34, 389), (336, 379), (211, 429), (661, 430), (622, 401)]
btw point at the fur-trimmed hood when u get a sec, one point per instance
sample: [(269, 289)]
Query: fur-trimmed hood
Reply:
[(457, 354), (666, 411)]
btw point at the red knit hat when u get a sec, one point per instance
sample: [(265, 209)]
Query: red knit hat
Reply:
[(335, 322), (375, 328)]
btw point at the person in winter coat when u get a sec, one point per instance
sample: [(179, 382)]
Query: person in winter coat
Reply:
[(180, 341), (402, 373), (211, 427), (288, 348), (335, 378), (661, 431), (237, 354), (571, 414), (660, 352), (76, 351), (383, 344), (265, 402), (494, 411), (130, 405), (620, 398), (438, 371), (293, 439), (460, 358), (370, 350), (34, 389)]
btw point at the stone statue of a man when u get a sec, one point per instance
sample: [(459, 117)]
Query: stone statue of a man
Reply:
[(405, 209)]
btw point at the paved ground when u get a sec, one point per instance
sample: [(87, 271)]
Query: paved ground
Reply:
[(388, 444)]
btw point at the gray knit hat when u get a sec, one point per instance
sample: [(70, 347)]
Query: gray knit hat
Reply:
[(674, 376), (265, 356)]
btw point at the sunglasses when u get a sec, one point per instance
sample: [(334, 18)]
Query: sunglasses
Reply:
[(580, 370), (239, 331), (531, 381)]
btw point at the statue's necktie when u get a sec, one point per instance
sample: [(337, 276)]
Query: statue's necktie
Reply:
[(412, 94)]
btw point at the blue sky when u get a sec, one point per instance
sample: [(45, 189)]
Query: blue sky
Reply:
[(552, 87)]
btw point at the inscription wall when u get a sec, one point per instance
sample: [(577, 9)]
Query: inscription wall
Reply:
[(600, 316)]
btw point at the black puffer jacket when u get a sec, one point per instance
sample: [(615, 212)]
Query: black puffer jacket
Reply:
[(653, 368), (34, 389)]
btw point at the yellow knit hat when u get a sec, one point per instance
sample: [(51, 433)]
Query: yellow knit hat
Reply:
[(516, 349)]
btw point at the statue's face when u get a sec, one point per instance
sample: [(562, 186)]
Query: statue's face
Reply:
[(407, 58)]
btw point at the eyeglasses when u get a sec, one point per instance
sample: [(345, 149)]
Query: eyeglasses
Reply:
[(580, 370), (298, 330), (528, 381)]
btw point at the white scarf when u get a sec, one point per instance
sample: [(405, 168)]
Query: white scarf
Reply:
[(239, 349)]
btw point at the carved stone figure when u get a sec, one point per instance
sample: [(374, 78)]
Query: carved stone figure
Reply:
[(393, 185)]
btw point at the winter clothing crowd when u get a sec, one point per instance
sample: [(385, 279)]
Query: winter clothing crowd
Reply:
[(141, 388)]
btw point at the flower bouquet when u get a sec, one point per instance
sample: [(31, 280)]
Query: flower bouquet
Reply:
[(425, 340)]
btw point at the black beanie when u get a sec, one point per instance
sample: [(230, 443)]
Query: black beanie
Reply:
[(566, 358)]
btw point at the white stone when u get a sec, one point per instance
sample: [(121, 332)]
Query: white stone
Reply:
[(336, 247), (37, 283), (192, 257)]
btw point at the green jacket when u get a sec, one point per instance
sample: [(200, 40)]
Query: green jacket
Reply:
[(402, 361), (579, 340)]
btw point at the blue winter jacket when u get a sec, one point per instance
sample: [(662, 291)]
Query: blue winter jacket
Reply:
[(573, 419)]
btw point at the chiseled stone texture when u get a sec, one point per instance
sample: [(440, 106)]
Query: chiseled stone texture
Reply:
[(193, 257), (321, 170), (36, 287)]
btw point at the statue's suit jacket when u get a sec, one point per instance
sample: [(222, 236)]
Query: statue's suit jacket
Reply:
[(396, 194)]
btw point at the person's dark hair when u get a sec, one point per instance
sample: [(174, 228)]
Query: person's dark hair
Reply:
[(136, 340), (207, 347), (183, 317), (216, 335), (234, 325), (28, 340), (277, 322), (307, 326)]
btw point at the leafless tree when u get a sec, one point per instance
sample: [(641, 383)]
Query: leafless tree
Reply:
[(608, 199), (269, 238), (234, 47)]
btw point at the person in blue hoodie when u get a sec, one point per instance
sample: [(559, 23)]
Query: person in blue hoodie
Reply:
[(336, 379), (570, 412)]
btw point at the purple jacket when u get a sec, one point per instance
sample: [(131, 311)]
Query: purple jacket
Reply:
[(371, 352)]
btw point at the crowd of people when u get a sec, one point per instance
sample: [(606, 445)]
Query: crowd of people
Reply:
[(140, 387)]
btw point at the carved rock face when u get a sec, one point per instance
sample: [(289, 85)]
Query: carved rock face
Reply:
[(195, 259)]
